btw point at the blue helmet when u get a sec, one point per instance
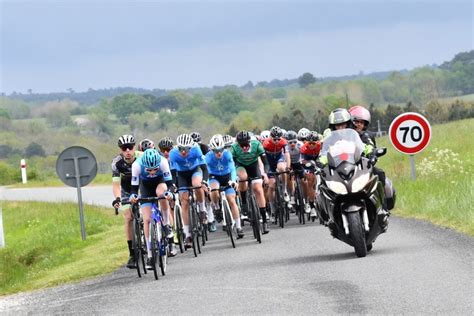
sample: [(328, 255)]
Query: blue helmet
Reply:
[(151, 158)]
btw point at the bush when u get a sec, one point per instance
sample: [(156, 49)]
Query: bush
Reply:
[(8, 174)]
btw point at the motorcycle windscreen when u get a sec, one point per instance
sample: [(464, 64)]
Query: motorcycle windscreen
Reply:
[(343, 145)]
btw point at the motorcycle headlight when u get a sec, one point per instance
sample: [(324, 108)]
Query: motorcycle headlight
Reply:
[(360, 182), (336, 187)]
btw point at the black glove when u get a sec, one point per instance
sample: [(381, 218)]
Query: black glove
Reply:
[(117, 200)]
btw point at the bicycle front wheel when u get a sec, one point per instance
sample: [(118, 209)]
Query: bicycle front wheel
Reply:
[(154, 247), (136, 245), (257, 227), (228, 222)]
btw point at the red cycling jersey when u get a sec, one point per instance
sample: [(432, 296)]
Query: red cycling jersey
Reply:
[(273, 148), (310, 153)]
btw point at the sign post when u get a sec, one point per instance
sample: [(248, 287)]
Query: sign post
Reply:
[(76, 166), (410, 133), (23, 171)]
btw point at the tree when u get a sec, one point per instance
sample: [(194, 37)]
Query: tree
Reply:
[(306, 79), (126, 104), (34, 149)]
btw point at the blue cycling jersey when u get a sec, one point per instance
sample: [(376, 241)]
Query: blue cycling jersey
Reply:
[(222, 166), (193, 159), (139, 172)]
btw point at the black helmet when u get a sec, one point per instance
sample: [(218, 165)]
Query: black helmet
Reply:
[(196, 137), (145, 144), (312, 137), (276, 131), (243, 137), (291, 135), (165, 143)]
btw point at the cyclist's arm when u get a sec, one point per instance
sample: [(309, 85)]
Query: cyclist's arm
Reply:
[(233, 171), (136, 169), (264, 161), (116, 188)]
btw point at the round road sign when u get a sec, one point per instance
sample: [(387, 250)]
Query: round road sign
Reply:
[(410, 133), (76, 163)]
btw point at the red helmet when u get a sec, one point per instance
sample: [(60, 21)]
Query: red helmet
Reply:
[(358, 112)]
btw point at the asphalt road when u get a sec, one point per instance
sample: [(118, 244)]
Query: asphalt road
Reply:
[(415, 268)]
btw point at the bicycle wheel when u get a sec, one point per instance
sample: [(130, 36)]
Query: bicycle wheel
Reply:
[(228, 222), (179, 227), (154, 247), (194, 229), (280, 206), (136, 244), (143, 246), (162, 249), (300, 201), (256, 219)]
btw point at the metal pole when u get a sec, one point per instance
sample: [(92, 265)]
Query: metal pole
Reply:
[(412, 164), (2, 237), (79, 197)]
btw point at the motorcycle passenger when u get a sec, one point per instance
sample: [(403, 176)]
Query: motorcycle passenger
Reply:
[(222, 173), (361, 120), (151, 174), (246, 154)]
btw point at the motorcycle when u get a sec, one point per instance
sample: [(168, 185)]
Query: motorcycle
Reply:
[(350, 199)]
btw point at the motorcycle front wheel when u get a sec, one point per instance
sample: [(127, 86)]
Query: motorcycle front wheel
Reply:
[(357, 233)]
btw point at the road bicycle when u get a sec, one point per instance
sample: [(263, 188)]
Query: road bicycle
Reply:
[(195, 221), (254, 210), (228, 220), (282, 213)]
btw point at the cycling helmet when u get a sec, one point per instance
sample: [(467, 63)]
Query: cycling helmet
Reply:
[(284, 133), (217, 142), (151, 158), (339, 116), (275, 131), (302, 133), (196, 137), (145, 144), (243, 137), (291, 135), (358, 112), (165, 143), (126, 139), (265, 134), (185, 140), (228, 140), (312, 136)]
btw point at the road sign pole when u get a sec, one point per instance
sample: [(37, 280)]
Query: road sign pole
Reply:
[(79, 197), (412, 164)]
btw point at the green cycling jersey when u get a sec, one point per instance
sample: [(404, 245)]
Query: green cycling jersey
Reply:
[(249, 157)]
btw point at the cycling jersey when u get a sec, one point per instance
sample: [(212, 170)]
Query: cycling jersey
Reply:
[(295, 155), (249, 157), (221, 166), (193, 159), (139, 171), (274, 150), (308, 153), (122, 171)]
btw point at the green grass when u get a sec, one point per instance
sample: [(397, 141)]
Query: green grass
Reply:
[(444, 189), (100, 179), (44, 246)]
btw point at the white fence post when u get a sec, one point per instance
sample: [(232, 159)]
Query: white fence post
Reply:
[(23, 171)]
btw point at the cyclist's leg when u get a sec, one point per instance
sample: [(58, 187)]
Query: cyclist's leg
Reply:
[(184, 180), (242, 175), (197, 181)]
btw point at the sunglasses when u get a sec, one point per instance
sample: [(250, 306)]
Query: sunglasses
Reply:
[(292, 142), (312, 143), (184, 148), (218, 150), (165, 149), (151, 169), (244, 145), (276, 139), (127, 146)]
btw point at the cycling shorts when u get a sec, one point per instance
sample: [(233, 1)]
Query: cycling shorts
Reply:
[(223, 181)]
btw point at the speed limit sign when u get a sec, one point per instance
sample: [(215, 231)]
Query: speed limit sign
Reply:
[(410, 133)]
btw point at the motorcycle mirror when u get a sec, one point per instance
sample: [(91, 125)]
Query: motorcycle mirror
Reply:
[(380, 151)]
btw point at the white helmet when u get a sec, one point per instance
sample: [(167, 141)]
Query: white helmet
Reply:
[(265, 134), (303, 133), (217, 142), (228, 140), (185, 140)]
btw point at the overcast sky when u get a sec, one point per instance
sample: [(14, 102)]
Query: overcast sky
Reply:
[(50, 46)]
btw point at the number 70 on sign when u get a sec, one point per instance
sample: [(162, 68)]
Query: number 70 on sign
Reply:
[(410, 133)]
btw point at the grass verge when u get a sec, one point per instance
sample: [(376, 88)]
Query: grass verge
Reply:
[(444, 188), (44, 246)]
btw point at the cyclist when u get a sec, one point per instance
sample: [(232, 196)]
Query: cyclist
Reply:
[(187, 158), (144, 144), (228, 141), (165, 145), (222, 173), (361, 120), (121, 186), (247, 154), (151, 174), (276, 150), (310, 152), (294, 147), (302, 133), (205, 177)]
